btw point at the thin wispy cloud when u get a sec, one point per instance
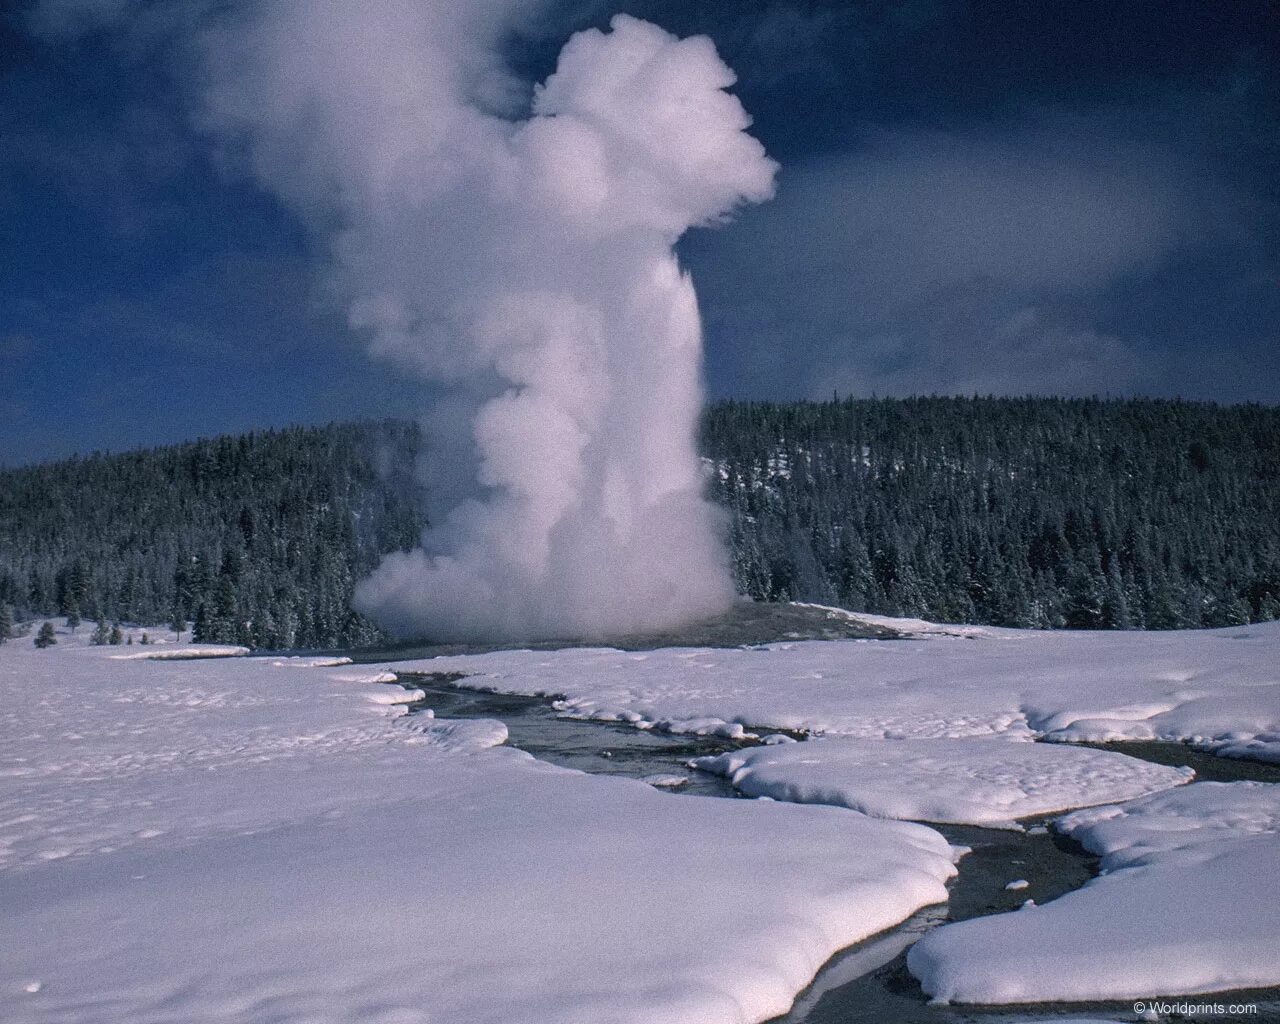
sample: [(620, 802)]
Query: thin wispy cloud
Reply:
[(989, 261)]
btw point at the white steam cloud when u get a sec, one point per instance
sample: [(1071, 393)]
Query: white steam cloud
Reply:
[(527, 263)]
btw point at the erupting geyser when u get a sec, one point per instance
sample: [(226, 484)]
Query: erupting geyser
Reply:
[(591, 521), (521, 257), (528, 264)]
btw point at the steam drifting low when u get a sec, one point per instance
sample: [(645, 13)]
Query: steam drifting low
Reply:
[(525, 261)]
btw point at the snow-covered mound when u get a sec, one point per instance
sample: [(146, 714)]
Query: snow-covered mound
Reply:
[(258, 841), (1218, 689), (1189, 902), (965, 781)]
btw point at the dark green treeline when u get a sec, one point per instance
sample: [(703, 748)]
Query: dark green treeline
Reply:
[(1021, 512), (258, 539)]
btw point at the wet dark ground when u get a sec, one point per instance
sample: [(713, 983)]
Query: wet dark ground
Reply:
[(747, 624), (869, 982)]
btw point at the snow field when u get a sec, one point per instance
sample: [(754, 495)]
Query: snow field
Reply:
[(934, 728), (236, 840), (275, 840), (1217, 689)]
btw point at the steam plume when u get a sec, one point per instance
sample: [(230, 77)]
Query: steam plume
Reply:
[(526, 262)]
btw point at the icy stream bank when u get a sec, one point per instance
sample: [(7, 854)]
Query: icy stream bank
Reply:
[(870, 981)]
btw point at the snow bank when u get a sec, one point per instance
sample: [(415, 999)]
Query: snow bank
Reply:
[(662, 780), (913, 627), (389, 695), (1163, 825), (1218, 689), (179, 652), (964, 781), (234, 840), (309, 661), (1189, 903)]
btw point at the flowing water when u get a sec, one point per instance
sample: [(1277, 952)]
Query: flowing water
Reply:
[(600, 748)]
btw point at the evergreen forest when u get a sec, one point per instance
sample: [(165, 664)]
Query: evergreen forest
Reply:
[(1043, 513), (1038, 512), (257, 539)]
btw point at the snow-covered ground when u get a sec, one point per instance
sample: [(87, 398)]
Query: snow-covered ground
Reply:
[(1188, 902), (1218, 689), (935, 728), (979, 782), (270, 840), (267, 841)]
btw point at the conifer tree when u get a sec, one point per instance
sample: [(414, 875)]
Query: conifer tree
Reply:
[(200, 628), (45, 637)]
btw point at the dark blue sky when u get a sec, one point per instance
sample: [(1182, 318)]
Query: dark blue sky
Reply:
[(1054, 198)]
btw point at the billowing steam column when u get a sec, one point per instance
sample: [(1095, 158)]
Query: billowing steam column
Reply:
[(528, 265)]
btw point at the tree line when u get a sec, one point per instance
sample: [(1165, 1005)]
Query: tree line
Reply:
[(256, 539), (1037, 512), (1044, 513)]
